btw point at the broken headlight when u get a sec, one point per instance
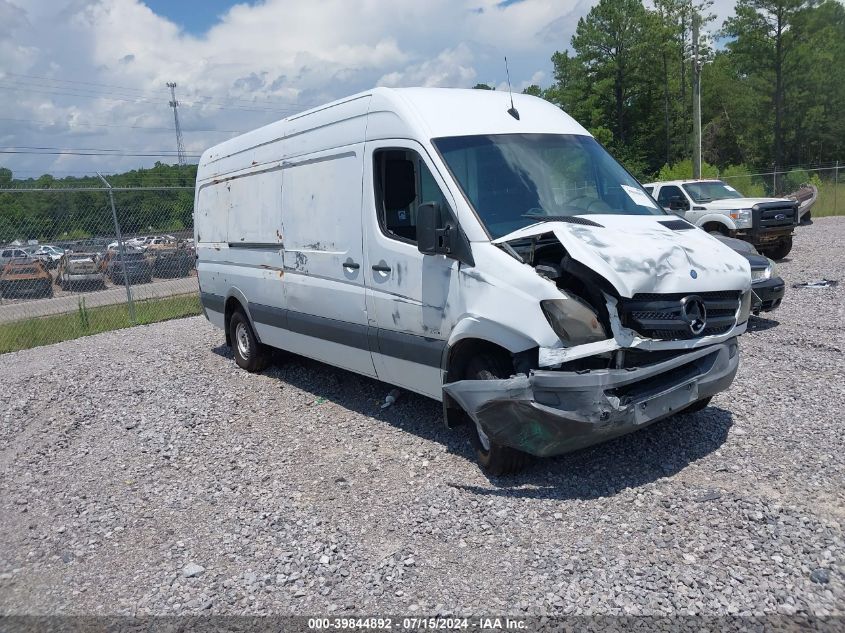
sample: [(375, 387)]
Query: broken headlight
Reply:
[(573, 320)]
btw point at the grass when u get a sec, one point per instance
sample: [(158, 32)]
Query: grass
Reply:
[(28, 333), (831, 198)]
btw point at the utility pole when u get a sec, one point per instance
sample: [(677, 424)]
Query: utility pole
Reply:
[(180, 147), (696, 98)]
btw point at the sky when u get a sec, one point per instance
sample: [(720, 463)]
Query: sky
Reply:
[(83, 78)]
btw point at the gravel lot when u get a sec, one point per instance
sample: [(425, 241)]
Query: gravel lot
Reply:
[(142, 472)]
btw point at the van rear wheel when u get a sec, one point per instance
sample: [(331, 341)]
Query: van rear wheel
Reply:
[(248, 352), (494, 458)]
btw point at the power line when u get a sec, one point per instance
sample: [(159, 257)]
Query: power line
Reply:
[(76, 149), (125, 155), (140, 92), (209, 104), (112, 125)]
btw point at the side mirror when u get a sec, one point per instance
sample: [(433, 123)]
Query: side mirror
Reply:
[(439, 235), (432, 237), (677, 203)]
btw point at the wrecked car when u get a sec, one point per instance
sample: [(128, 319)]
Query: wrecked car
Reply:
[(170, 259), (131, 266), (482, 251), (25, 278), (767, 288), (79, 270)]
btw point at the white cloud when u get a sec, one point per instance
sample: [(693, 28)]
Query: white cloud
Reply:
[(259, 63)]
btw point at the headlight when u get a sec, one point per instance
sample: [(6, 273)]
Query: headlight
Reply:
[(741, 216), (573, 320), (762, 274)]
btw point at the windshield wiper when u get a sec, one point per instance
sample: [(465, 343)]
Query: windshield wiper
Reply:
[(573, 219)]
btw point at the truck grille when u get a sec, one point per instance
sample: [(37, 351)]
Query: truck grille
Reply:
[(775, 215), (662, 316)]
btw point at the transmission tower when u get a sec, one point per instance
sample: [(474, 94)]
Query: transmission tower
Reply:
[(180, 146)]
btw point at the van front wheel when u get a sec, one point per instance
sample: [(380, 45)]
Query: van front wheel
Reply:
[(248, 352), (494, 458)]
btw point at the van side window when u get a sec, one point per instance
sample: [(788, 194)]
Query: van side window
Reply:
[(402, 184)]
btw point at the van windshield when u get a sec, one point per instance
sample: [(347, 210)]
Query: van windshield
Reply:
[(514, 180)]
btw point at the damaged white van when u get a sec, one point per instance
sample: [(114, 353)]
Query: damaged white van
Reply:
[(488, 254)]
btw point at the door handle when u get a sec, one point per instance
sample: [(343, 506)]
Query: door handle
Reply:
[(381, 269), (351, 265)]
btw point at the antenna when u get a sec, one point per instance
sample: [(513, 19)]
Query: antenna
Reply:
[(513, 111), (180, 147)]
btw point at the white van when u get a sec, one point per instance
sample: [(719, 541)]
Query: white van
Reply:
[(494, 258)]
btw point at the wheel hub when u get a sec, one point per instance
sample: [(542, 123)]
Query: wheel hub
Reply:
[(242, 338)]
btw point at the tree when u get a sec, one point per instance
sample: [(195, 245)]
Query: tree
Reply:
[(765, 39), (534, 90), (482, 87), (608, 42), (668, 38)]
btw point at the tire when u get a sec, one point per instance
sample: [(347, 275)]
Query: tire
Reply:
[(494, 458), (248, 352), (698, 405), (781, 250)]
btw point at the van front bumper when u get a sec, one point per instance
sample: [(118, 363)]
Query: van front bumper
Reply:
[(554, 412)]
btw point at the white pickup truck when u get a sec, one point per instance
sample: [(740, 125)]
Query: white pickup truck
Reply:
[(767, 223)]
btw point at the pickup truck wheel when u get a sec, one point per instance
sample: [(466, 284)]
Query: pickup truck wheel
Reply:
[(780, 250), (249, 353), (493, 458), (698, 405)]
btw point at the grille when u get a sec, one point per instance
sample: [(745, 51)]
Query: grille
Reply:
[(776, 214), (661, 316)]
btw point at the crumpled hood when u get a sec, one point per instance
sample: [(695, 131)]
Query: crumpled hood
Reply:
[(638, 254), (739, 203)]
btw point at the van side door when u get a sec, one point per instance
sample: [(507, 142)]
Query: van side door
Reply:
[(324, 265), (407, 293)]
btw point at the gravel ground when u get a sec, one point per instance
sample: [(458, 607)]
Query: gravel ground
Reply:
[(142, 472)]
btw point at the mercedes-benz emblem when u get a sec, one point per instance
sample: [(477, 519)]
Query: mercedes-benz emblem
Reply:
[(694, 313)]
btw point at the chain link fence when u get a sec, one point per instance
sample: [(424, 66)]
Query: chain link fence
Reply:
[(81, 261), (826, 183)]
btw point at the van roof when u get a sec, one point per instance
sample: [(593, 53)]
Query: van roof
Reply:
[(412, 113)]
